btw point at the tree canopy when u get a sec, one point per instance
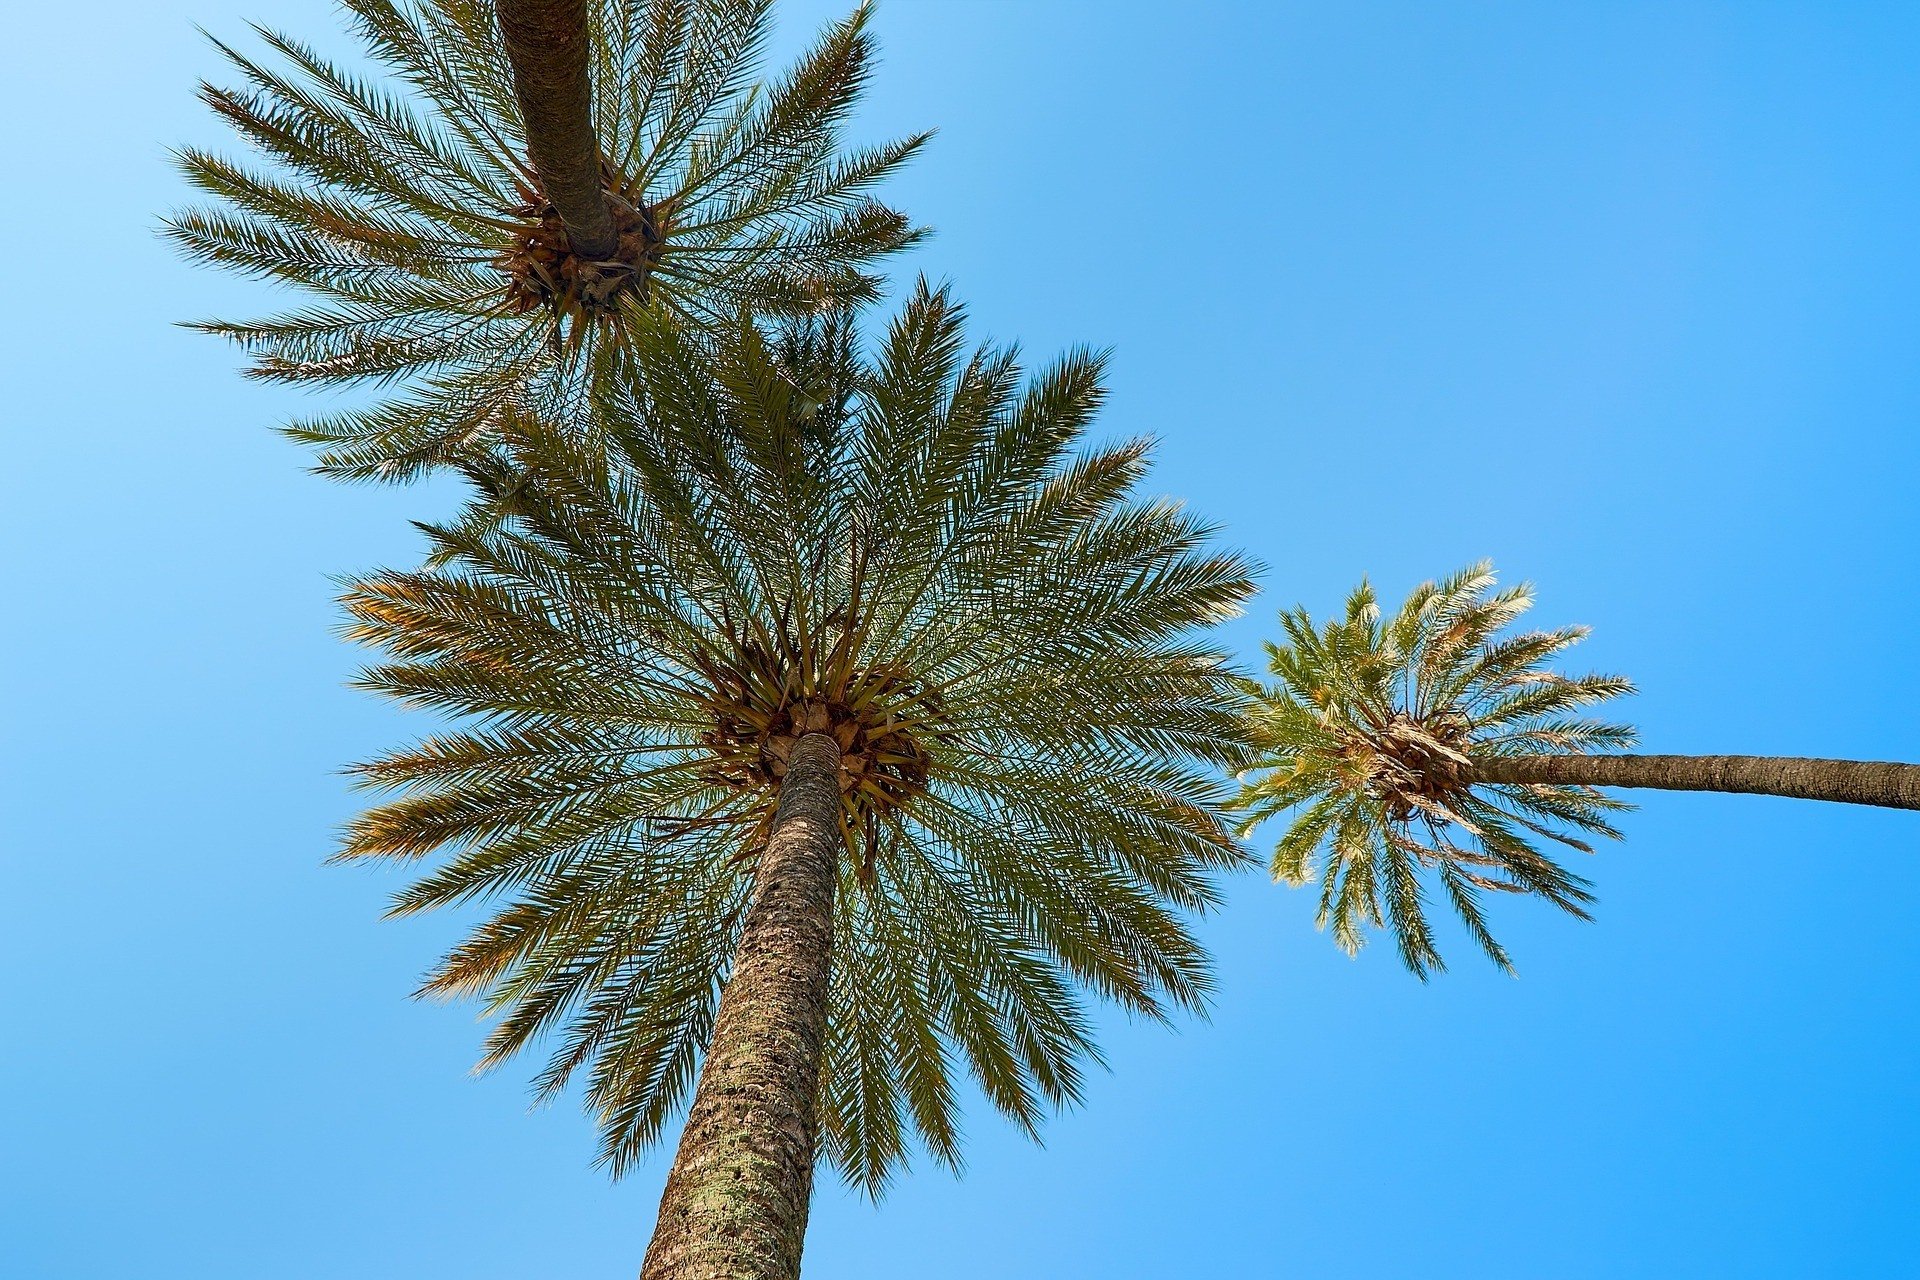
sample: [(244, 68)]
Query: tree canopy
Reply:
[(773, 534), (405, 210), (1368, 739)]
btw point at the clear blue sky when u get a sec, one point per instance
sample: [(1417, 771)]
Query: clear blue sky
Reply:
[(1623, 296)]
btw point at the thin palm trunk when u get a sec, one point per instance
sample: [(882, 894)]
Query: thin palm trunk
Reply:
[(547, 46), (1876, 782), (735, 1206)]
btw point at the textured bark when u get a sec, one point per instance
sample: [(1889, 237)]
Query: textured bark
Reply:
[(547, 46), (735, 1206), (1893, 786)]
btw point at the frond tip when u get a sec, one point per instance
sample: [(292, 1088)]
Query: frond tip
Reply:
[(1369, 741)]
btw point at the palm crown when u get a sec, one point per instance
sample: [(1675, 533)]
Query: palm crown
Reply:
[(1368, 741), (417, 225), (777, 537)]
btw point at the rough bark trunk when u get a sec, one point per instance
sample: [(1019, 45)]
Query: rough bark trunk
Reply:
[(1893, 786), (547, 46), (735, 1206)]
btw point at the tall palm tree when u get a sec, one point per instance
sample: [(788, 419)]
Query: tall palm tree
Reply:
[(549, 48), (410, 213), (832, 728), (1430, 742)]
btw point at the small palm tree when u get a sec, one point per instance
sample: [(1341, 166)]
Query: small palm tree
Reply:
[(1430, 745), (414, 217), (834, 730)]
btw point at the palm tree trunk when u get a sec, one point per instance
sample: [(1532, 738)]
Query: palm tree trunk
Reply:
[(547, 46), (735, 1206), (1893, 786)]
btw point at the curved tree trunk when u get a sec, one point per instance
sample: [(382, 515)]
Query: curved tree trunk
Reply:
[(547, 45), (735, 1206), (1893, 786)]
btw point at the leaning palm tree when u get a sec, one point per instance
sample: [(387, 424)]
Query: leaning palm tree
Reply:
[(412, 215), (1430, 745), (834, 730)]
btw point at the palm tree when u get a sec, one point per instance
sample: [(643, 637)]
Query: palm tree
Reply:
[(548, 48), (1432, 743), (831, 728), (433, 254)]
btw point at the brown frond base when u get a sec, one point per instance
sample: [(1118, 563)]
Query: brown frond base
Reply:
[(883, 763), (1413, 766), (543, 271), (764, 702)]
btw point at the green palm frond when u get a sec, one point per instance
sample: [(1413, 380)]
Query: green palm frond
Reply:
[(406, 211), (1367, 742), (774, 533)]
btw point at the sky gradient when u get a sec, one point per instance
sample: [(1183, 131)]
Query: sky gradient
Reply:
[(1620, 295)]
